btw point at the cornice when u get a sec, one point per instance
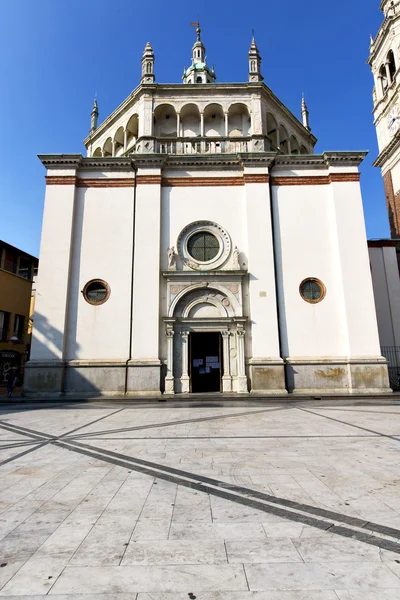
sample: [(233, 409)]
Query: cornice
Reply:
[(344, 159), (327, 159), (100, 163), (388, 151), (65, 161), (77, 161), (205, 161)]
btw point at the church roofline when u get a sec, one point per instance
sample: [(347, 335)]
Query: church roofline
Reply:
[(239, 160), (193, 89)]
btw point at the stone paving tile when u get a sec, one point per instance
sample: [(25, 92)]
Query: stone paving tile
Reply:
[(175, 552), (337, 549), (213, 531), (267, 551), (321, 576), (149, 579)]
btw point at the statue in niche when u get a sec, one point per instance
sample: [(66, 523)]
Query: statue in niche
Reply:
[(236, 255), (171, 258)]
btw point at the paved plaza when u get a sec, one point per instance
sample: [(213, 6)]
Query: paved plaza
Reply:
[(205, 500)]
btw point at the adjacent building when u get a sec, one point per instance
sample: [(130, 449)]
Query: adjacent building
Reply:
[(384, 60), (202, 246), (18, 271)]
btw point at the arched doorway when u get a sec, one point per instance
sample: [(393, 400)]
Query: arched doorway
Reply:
[(205, 337)]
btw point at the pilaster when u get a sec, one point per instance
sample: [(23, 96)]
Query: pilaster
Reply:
[(144, 366), (265, 357), (44, 371)]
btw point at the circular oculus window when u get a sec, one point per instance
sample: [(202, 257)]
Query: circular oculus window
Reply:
[(96, 291), (312, 290), (204, 245)]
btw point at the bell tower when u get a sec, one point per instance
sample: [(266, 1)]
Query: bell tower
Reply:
[(384, 60)]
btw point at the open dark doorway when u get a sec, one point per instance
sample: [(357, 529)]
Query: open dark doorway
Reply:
[(205, 362)]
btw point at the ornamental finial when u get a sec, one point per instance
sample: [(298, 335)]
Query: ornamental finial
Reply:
[(94, 115), (305, 113)]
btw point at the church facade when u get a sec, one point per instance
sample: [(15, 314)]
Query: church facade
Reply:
[(202, 246)]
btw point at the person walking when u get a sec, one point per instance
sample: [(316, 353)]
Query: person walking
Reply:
[(11, 380)]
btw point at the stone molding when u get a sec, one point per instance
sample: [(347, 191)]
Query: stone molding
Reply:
[(238, 161)]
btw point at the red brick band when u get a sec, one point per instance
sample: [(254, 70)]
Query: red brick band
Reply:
[(210, 181), (148, 179), (201, 181), (105, 183), (256, 178), (317, 180), (60, 180)]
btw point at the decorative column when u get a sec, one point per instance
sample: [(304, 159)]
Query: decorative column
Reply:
[(201, 124), (380, 85), (389, 78), (113, 148), (178, 124), (226, 125), (242, 379), (125, 139), (185, 379), (169, 380), (226, 378)]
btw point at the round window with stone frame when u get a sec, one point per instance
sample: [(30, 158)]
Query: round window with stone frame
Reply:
[(312, 290), (96, 292), (204, 246)]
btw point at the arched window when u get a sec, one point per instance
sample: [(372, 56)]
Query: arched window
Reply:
[(148, 68), (383, 78), (198, 80), (253, 65), (392, 64)]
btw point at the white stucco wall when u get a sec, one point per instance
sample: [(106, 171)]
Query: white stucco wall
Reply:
[(305, 247), (103, 237)]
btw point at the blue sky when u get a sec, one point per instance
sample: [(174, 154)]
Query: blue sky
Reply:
[(56, 54)]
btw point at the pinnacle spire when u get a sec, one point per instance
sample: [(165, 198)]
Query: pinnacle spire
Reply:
[(305, 113), (148, 65), (94, 115), (254, 61)]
